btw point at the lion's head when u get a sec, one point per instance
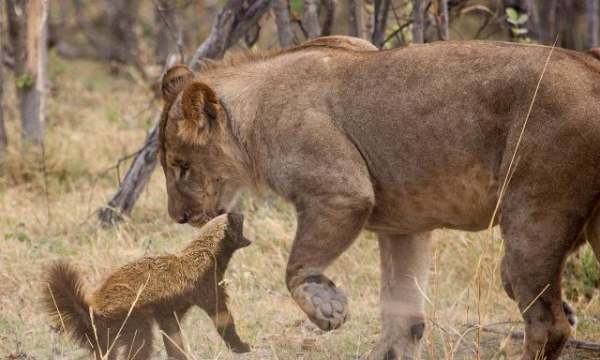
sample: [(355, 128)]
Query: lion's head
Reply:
[(199, 156)]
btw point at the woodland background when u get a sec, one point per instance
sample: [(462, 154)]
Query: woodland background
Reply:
[(78, 109)]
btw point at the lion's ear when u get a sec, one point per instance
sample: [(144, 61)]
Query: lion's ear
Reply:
[(200, 108), (174, 80)]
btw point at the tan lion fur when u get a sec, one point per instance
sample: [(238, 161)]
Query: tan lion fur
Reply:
[(402, 142)]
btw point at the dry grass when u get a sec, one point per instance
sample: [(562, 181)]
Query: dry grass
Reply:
[(93, 120)]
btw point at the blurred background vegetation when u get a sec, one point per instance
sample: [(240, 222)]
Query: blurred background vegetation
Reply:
[(78, 109)]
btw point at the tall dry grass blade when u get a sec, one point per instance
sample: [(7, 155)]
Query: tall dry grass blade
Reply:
[(137, 298), (95, 329), (62, 323), (138, 349), (133, 342), (184, 336), (520, 138), (536, 298), (185, 352), (421, 291)]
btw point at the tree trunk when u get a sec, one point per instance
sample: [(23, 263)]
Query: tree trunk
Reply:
[(356, 23), (567, 21), (381, 14), (169, 38), (329, 6), (593, 25), (3, 136), (28, 31), (228, 29), (418, 28), (445, 20), (310, 19), (282, 20), (533, 24), (547, 22)]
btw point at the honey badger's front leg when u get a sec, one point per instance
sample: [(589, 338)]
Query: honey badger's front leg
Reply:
[(326, 227)]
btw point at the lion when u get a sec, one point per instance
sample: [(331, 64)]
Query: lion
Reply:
[(399, 142), (163, 289)]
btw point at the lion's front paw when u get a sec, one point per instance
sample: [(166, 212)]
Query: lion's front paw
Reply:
[(322, 301)]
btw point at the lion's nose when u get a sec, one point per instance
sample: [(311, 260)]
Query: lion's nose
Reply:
[(183, 218)]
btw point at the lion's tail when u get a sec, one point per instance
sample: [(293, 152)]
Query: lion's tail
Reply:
[(64, 300)]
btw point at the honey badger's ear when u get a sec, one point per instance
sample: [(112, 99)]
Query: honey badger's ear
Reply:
[(174, 80), (200, 107)]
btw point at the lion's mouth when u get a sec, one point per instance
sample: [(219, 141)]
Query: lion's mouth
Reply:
[(200, 220)]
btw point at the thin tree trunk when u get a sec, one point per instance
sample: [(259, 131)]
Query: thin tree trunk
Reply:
[(282, 20), (28, 30), (227, 30), (592, 23), (3, 136), (169, 38), (445, 20), (356, 23), (369, 20), (533, 25), (310, 19), (547, 22), (381, 14), (329, 6), (418, 28), (568, 18)]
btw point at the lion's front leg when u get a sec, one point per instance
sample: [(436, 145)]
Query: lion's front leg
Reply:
[(325, 229), (404, 271)]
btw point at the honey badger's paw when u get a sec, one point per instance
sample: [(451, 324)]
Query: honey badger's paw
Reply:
[(322, 301), (240, 348)]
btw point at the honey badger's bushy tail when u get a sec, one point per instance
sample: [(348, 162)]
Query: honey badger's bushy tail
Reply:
[(64, 300)]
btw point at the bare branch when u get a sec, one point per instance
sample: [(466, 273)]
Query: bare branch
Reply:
[(519, 335), (231, 24)]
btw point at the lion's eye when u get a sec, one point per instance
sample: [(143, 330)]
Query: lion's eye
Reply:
[(184, 169)]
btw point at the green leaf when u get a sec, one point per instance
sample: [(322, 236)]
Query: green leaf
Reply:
[(522, 19), (512, 14), (25, 81)]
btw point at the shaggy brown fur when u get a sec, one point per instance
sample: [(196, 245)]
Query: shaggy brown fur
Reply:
[(400, 142), (165, 288)]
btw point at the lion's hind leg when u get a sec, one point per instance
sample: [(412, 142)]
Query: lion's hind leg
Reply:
[(542, 241), (405, 263)]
